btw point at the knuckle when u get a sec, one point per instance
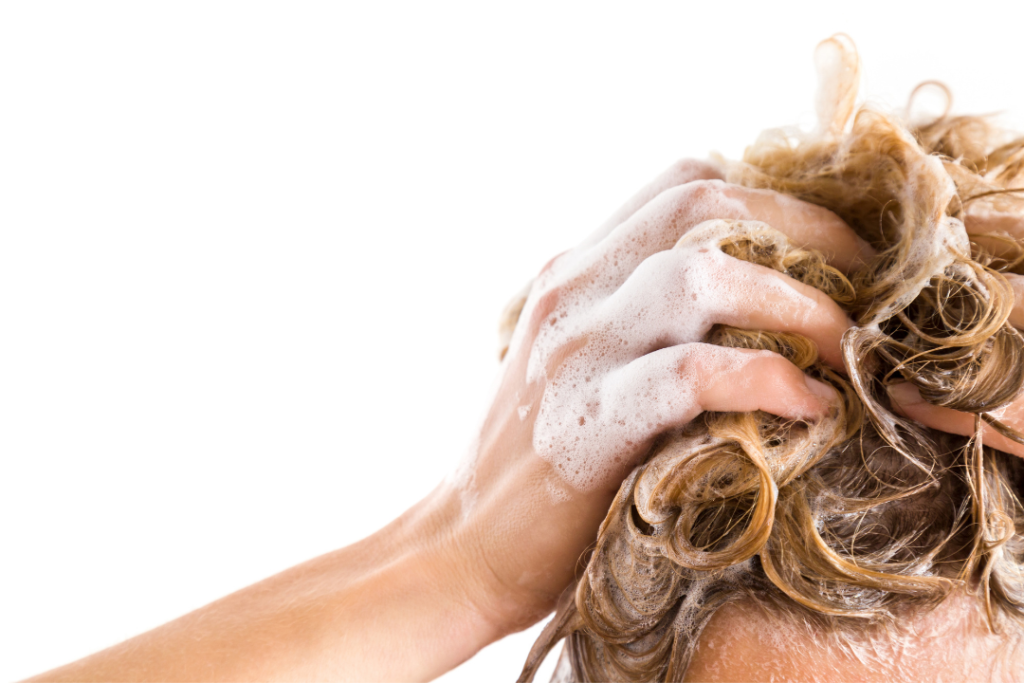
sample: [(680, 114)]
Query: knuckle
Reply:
[(693, 198), (774, 368), (642, 270), (688, 170), (658, 262), (685, 362), (704, 189), (546, 304), (693, 359), (551, 263), (659, 270)]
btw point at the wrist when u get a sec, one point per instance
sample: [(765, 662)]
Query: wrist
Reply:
[(456, 541), (408, 584), (461, 549), (515, 543)]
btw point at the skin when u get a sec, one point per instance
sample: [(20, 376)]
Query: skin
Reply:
[(488, 552), (748, 642)]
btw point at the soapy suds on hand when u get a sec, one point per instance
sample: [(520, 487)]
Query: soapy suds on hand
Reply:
[(628, 382)]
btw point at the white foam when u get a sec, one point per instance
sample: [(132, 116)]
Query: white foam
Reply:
[(938, 239), (615, 392)]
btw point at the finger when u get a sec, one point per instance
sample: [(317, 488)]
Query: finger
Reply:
[(662, 221), (634, 403), (679, 173), (670, 387), (995, 231), (1017, 314), (984, 221), (676, 296), (907, 401)]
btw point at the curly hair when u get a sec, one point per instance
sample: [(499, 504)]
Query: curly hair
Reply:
[(852, 519)]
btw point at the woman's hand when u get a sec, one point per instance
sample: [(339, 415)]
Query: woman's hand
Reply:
[(608, 354)]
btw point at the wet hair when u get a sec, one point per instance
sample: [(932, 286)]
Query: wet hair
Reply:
[(850, 521)]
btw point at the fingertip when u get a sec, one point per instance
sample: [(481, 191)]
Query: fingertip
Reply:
[(865, 252), (824, 392), (833, 354), (818, 401), (904, 395)]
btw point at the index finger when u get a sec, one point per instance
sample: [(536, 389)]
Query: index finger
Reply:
[(673, 213), (681, 172)]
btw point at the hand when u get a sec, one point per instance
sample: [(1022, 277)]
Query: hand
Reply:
[(608, 354), (997, 230)]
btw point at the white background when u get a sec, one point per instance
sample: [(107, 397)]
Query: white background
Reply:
[(252, 255)]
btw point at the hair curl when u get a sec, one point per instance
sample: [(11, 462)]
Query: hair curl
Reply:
[(865, 512)]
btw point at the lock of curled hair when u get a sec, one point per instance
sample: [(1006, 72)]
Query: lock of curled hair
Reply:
[(849, 520)]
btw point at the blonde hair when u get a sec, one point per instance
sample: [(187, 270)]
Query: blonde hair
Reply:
[(847, 520)]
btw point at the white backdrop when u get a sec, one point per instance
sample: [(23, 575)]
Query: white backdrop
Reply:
[(252, 255)]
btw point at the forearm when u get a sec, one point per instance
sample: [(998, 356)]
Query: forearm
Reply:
[(489, 551), (391, 607)]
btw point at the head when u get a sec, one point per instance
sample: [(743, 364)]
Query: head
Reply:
[(849, 524)]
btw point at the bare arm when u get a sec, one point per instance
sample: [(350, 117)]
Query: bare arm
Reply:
[(585, 390), (390, 607)]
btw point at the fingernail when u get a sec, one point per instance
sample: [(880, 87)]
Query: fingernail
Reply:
[(866, 250), (823, 391), (905, 394)]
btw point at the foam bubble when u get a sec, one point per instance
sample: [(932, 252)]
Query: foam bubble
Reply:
[(612, 394)]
